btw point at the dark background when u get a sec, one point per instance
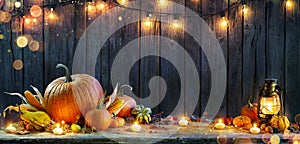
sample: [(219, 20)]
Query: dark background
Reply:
[(264, 43)]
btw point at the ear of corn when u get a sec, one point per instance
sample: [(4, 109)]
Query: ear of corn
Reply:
[(116, 106), (32, 100)]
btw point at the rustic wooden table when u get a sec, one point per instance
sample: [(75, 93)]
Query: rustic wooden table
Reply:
[(148, 134)]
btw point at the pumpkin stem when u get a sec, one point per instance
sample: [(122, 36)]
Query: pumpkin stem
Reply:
[(250, 105), (121, 91), (68, 75)]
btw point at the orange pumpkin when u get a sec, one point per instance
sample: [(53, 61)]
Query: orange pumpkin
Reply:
[(129, 101), (69, 98), (117, 122), (241, 121), (98, 118), (250, 110)]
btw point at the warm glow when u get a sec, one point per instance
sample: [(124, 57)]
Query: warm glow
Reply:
[(289, 4), (122, 2), (147, 22), (101, 5), (176, 24), (245, 10), (34, 20), (57, 125), (22, 41), (10, 125), (27, 20), (52, 14), (163, 3), (270, 105), (36, 11), (220, 121), (224, 22), (254, 125)]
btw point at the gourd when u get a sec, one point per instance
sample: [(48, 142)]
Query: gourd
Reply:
[(99, 118), (117, 122), (130, 103), (70, 97), (250, 110), (241, 121)]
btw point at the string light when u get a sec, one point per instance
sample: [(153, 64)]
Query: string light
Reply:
[(122, 2), (245, 10), (289, 4), (163, 3), (101, 5), (175, 23), (224, 21), (52, 15), (91, 8), (148, 21)]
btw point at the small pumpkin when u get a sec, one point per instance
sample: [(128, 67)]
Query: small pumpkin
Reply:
[(98, 118), (117, 122), (130, 103), (250, 110), (67, 98), (241, 121)]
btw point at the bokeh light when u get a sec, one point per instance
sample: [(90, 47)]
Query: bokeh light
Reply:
[(1, 36), (222, 139), (275, 139), (16, 26), (35, 11), (22, 41), (18, 4), (266, 138), (18, 64), (29, 38), (34, 46), (296, 139)]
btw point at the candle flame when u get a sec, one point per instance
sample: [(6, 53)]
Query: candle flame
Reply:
[(57, 125), (220, 121), (135, 123), (254, 125)]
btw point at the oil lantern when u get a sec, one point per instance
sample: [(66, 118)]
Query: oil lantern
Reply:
[(269, 103)]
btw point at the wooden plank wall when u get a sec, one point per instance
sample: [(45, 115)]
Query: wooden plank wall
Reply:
[(264, 43)]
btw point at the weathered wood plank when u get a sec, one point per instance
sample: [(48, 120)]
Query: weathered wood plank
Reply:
[(291, 97)]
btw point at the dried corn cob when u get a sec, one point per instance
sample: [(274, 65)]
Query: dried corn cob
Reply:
[(33, 101), (116, 106)]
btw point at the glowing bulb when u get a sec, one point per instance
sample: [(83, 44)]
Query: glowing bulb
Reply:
[(27, 20), (289, 4), (224, 22), (22, 41), (163, 3), (34, 20), (101, 5), (122, 2), (52, 14), (245, 10), (175, 23), (147, 23), (18, 4)]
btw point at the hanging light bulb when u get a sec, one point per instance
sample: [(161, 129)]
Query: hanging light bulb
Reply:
[(176, 23), (289, 4), (224, 21), (52, 14), (147, 22), (163, 3), (101, 5), (122, 2), (245, 9), (91, 8)]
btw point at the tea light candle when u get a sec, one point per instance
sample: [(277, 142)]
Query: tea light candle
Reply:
[(58, 130), (135, 127), (183, 122), (254, 129), (10, 129), (220, 125)]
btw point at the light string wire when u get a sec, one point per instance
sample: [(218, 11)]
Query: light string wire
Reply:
[(20, 11)]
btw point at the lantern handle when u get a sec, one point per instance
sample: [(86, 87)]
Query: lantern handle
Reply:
[(281, 99)]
